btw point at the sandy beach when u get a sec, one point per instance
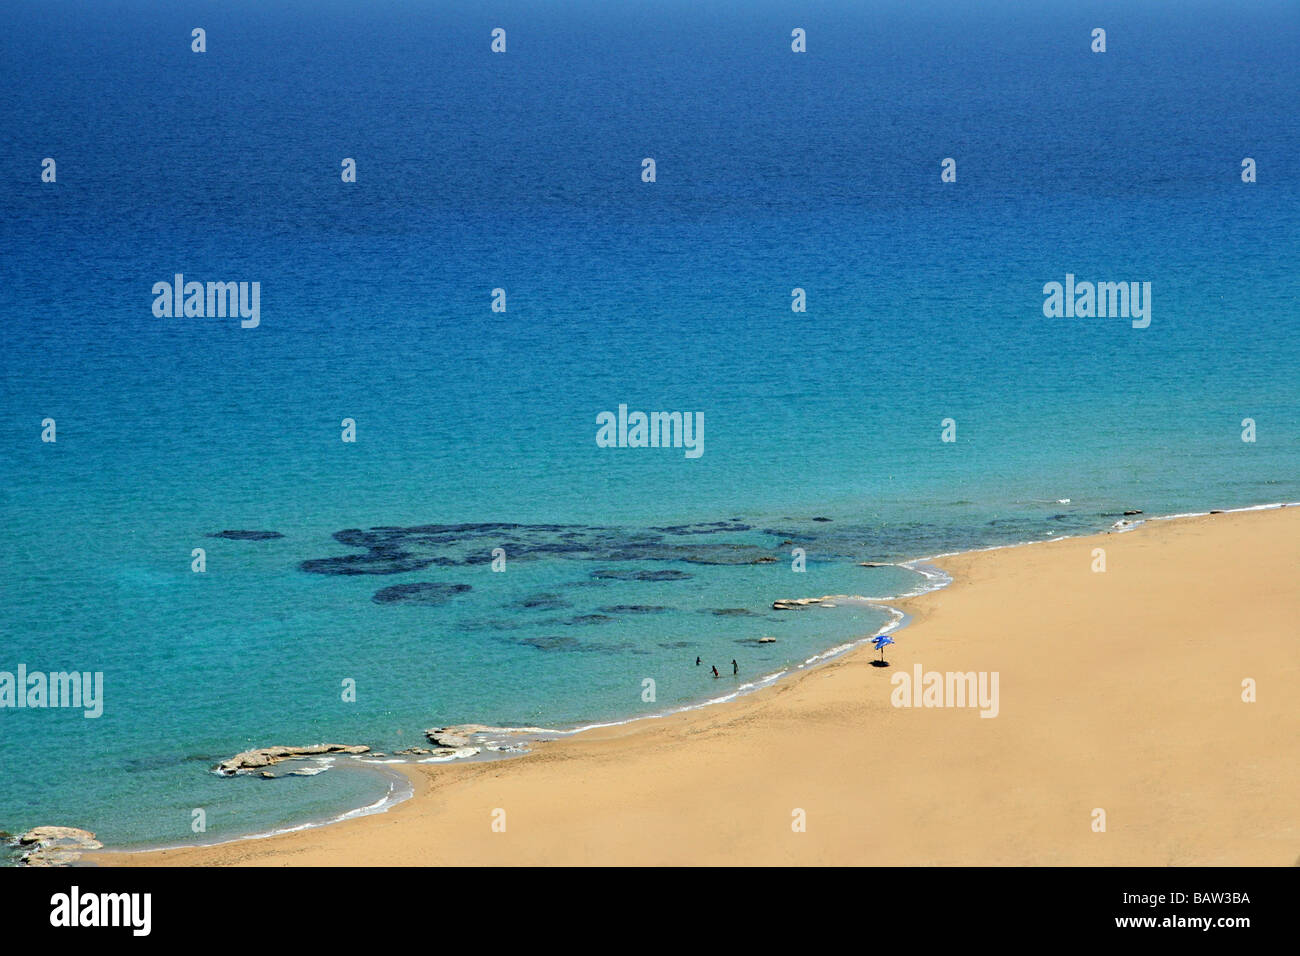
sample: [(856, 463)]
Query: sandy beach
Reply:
[(1120, 691)]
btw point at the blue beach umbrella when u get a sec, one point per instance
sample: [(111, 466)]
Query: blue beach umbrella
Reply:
[(881, 641)]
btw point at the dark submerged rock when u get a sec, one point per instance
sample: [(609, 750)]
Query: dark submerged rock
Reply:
[(424, 593), (552, 643), (541, 602), (367, 564), (619, 574)]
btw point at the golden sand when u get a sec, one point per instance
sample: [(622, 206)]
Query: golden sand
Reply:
[(1119, 691)]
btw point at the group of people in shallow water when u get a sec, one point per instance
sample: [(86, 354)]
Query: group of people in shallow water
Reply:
[(735, 668)]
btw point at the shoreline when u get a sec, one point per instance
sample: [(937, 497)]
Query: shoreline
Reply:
[(834, 659)]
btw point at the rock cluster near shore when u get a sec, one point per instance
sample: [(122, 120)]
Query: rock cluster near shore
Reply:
[(56, 846), (455, 737), (447, 738), (455, 741), (268, 756)]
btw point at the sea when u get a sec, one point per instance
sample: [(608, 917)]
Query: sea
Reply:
[(384, 508)]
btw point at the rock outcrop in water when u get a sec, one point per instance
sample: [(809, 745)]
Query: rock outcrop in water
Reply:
[(452, 737), (454, 743), (247, 535), (268, 756), (55, 846), (793, 604)]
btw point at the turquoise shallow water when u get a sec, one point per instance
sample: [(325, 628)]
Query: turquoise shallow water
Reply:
[(522, 172)]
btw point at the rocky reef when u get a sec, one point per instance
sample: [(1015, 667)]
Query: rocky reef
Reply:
[(396, 550)]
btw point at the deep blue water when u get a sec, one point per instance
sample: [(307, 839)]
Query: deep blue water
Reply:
[(522, 171)]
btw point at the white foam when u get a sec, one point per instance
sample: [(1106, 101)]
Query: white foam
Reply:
[(306, 772), (460, 753), (1229, 511)]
